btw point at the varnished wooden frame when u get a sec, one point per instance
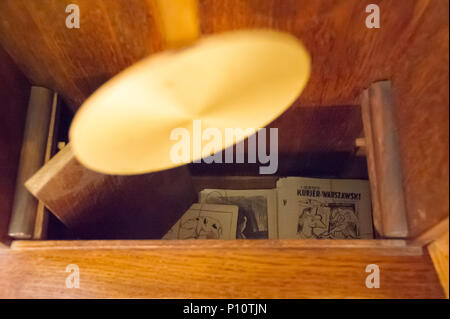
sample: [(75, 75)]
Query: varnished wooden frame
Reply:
[(251, 269), (228, 269), (220, 269)]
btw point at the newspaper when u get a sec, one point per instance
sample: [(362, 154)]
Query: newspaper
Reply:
[(324, 208), (257, 215), (299, 208), (204, 221)]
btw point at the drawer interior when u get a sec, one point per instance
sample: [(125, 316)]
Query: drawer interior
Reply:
[(313, 141), (317, 142)]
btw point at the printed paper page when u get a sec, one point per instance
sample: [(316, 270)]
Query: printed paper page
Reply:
[(205, 221), (311, 208), (257, 217)]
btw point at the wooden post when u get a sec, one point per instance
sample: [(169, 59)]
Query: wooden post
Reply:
[(383, 161), (31, 159)]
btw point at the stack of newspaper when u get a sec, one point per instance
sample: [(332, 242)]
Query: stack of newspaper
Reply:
[(303, 208)]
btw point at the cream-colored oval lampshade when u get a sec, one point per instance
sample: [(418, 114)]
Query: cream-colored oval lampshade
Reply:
[(239, 79)]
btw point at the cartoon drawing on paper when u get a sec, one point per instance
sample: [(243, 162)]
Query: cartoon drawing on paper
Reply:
[(343, 222), (308, 223), (327, 220), (201, 227), (252, 217)]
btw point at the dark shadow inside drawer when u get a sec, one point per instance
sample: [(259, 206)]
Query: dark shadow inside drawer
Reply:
[(312, 142)]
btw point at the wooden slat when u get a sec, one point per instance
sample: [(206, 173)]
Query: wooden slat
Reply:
[(101, 206), (386, 178), (217, 269), (390, 247), (32, 157), (370, 156), (41, 222)]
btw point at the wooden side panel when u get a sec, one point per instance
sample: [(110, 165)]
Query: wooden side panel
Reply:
[(217, 269), (421, 82), (14, 92), (74, 62), (347, 56), (439, 254)]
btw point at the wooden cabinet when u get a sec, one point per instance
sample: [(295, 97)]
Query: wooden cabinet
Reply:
[(317, 138)]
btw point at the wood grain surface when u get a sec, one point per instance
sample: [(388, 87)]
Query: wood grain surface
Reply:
[(217, 269), (439, 254), (75, 62), (421, 96), (386, 179), (14, 92), (32, 157), (410, 48), (347, 56), (432, 234)]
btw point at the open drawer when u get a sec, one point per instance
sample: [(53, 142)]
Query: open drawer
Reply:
[(95, 206), (337, 130), (314, 141), (323, 142)]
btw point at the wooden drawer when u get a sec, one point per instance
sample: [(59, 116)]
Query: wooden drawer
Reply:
[(324, 134), (270, 268)]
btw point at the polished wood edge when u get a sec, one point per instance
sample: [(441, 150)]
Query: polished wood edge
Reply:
[(390, 246), (32, 156), (245, 271), (438, 250), (383, 160), (387, 160), (41, 222), (370, 157)]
